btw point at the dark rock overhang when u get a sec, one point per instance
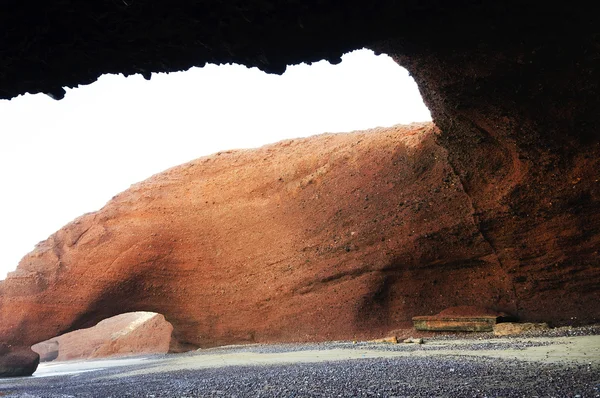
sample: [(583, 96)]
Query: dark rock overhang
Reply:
[(48, 45)]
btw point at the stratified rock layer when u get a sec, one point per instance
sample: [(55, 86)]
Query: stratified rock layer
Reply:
[(125, 334), (459, 319), (341, 236)]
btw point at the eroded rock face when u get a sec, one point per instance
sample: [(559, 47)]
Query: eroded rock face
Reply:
[(341, 236), (125, 334), (521, 134)]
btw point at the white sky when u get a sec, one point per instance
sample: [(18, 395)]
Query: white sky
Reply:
[(60, 159)]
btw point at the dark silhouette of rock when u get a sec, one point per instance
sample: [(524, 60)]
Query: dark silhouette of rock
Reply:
[(17, 361)]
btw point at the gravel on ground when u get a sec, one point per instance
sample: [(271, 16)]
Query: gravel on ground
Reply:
[(442, 367)]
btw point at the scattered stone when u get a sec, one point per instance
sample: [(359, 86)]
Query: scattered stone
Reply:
[(413, 341), (512, 328), (391, 340), (427, 375)]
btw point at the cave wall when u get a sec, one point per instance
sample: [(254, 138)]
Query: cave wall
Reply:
[(519, 118)]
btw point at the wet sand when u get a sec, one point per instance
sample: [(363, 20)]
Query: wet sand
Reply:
[(537, 366)]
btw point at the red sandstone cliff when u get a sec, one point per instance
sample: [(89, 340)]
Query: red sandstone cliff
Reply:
[(125, 334), (332, 237)]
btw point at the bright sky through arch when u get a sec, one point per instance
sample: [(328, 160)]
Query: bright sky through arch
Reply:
[(61, 159)]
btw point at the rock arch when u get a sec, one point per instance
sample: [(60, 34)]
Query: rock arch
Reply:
[(332, 237), (512, 87), (130, 333)]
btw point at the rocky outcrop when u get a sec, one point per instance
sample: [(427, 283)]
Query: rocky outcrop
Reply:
[(344, 236), (17, 360), (125, 334), (459, 319)]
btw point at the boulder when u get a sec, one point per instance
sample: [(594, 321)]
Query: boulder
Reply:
[(17, 361), (459, 319), (512, 328)]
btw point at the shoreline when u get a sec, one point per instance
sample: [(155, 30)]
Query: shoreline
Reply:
[(535, 365)]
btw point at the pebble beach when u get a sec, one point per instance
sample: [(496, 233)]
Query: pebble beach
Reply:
[(555, 364)]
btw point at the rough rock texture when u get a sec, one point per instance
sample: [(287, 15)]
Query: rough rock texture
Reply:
[(341, 236), (469, 310), (521, 134), (75, 42), (125, 334), (511, 328), (459, 319)]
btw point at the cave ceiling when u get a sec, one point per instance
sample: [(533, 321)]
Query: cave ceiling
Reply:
[(49, 45)]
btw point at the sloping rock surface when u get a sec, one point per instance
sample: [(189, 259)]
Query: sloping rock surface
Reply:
[(125, 334), (339, 236)]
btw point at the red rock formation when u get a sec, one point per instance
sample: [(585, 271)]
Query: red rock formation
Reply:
[(468, 311), (513, 87), (333, 237), (125, 334)]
